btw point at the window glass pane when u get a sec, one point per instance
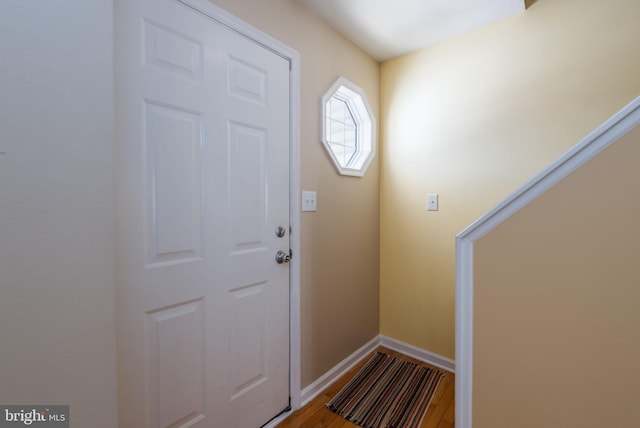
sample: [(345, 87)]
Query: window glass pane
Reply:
[(348, 129), (336, 131), (337, 109), (342, 131)]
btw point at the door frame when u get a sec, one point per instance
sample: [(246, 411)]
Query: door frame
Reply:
[(235, 24)]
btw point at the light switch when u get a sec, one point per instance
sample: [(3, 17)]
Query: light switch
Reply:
[(432, 202), (309, 201)]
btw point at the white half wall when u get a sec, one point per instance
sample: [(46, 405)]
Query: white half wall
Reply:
[(585, 151), (57, 305)]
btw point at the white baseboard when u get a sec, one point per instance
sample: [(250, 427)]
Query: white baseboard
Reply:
[(312, 391), (323, 382), (418, 353), (276, 421)]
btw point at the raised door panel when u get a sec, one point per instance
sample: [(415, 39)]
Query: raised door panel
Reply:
[(176, 365), (247, 192), (174, 184)]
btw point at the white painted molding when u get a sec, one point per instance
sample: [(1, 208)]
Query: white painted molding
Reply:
[(605, 135), (366, 126), (418, 353), (235, 24), (276, 421), (294, 238), (324, 381)]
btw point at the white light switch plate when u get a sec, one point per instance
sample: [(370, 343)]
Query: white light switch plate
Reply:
[(432, 202), (309, 201)]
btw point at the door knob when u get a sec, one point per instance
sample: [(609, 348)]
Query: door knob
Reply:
[(282, 257)]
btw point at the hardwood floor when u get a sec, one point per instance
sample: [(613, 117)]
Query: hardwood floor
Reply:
[(440, 413)]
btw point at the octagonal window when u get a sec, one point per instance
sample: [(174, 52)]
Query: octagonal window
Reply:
[(348, 132)]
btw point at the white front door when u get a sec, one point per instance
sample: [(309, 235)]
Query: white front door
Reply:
[(202, 172)]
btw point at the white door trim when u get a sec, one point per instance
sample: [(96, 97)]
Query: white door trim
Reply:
[(605, 135), (235, 24)]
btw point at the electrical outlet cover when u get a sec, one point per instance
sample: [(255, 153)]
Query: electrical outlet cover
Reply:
[(432, 202)]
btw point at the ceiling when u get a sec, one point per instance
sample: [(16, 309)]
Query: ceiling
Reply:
[(386, 29)]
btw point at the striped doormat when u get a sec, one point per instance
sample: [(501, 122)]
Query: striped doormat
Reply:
[(387, 393)]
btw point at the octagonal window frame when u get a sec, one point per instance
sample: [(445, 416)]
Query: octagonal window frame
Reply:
[(358, 107)]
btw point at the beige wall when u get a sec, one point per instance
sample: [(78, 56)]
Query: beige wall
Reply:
[(340, 242), (57, 304), (473, 119), (557, 304)]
